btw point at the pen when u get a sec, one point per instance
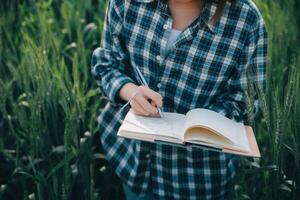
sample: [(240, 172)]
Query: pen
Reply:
[(146, 84)]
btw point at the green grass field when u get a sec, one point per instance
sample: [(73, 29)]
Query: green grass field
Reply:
[(49, 141)]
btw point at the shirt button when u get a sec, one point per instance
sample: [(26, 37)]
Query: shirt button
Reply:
[(158, 58), (147, 155), (158, 85), (165, 26)]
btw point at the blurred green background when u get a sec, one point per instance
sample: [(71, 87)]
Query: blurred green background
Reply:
[(49, 141)]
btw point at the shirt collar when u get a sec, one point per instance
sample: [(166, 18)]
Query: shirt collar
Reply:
[(207, 13)]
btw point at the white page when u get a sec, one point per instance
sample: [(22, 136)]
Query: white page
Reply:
[(230, 129), (133, 127), (171, 124), (242, 137)]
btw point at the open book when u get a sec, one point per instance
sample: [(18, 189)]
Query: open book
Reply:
[(199, 127)]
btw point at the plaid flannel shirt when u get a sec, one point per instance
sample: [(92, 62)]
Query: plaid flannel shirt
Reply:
[(206, 67)]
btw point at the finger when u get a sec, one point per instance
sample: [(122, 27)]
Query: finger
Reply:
[(137, 107), (153, 104), (155, 115), (137, 112), (146, 105), (155, 96)]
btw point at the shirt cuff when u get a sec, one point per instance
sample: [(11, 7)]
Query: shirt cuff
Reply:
[(112, 83)]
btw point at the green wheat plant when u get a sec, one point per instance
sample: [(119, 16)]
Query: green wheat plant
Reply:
[(49, 140)]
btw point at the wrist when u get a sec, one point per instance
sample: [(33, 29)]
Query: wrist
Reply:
[(127, 90)]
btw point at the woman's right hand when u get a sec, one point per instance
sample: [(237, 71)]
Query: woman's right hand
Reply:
[(145, 102)]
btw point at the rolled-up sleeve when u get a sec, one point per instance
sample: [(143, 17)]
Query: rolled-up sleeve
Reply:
[(108, 60), (248, 78)]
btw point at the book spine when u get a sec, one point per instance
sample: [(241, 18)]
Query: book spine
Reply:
[(205, 147), (186, 144)]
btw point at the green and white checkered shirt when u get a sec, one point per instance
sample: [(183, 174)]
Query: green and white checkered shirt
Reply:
[(205, 68)]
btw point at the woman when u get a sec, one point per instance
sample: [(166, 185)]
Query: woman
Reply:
[(192, 53)]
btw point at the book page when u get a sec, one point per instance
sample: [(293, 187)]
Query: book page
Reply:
[(171, 125), (199, 135), (230, 129)]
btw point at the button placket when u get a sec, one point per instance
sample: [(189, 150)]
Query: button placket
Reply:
[(163, 43), (166, 26), (158, 58), (145, 149), (158, 85)]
